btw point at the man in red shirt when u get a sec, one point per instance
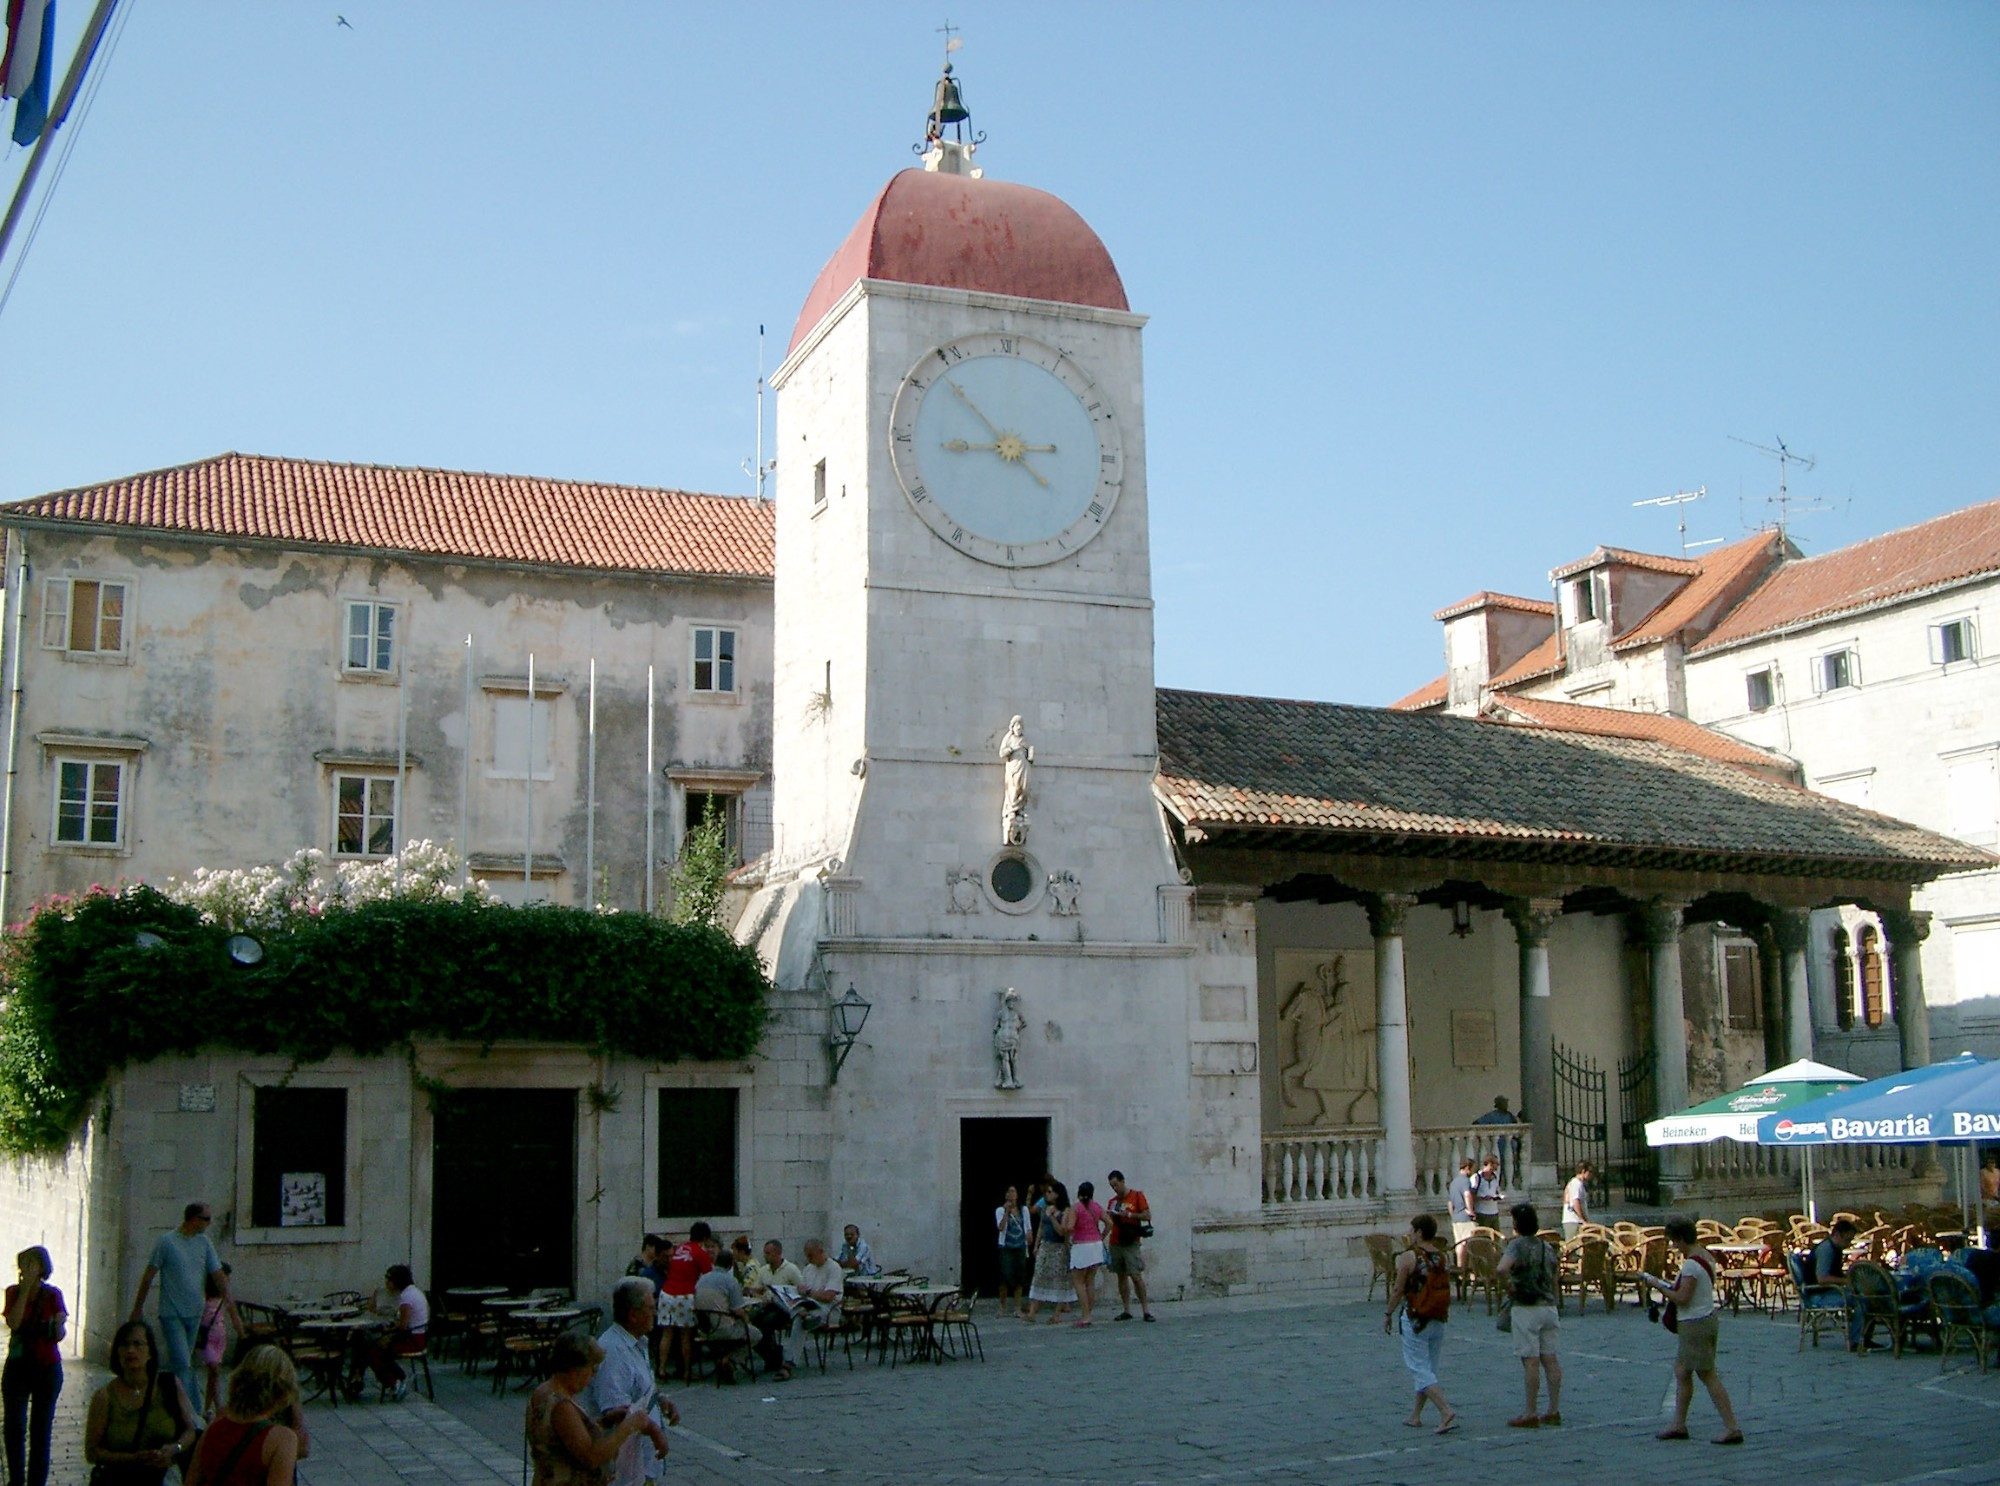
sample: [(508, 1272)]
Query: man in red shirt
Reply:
[(686, 1264), (1130, 1219)]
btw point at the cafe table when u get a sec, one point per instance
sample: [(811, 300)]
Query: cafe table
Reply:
[(1740, 1273)]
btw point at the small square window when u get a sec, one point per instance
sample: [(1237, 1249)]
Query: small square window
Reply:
[(1953, 642), (90, 802), (714, 659), (1762, 687), (84, 616), (1838, 670), (371, 638), (364, 815)]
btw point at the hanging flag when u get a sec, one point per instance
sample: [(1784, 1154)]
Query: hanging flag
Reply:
[(26, 22), (31, 110)]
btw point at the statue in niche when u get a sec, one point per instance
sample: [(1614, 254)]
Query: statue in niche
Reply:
[(1016, 756), (1332, 1072), (1007, 1030)]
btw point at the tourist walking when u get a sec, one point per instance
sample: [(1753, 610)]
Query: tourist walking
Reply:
[(1086, 1248), (182, 1260), (1010, 1227), (1528, 1265), (141, 1421), (625, 1383), (1419, 1305), (1051, 1284), (253, 1443), (1693, 1315), (1576, 1201), (32, 1377), (569, 1446)]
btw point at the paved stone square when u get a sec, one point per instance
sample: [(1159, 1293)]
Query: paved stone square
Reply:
[(1235, 1391)]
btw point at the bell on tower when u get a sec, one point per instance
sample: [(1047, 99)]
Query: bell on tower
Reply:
[(951, 156)]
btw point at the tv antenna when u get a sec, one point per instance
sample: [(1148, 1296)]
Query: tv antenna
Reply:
[(1681, 500), (1784, 500), (760, 467)]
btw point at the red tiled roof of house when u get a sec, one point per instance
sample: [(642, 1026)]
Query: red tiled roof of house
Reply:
[(1685, 567), (1898, 564), (1430, 694), (1486, 599), (1725, 575), (430, 513), (1661, 727), (1544, 660)]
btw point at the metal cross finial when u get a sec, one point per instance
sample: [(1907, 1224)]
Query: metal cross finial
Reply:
[(950, 34)]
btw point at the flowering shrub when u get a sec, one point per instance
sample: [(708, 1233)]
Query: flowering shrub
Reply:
[(365, 959)]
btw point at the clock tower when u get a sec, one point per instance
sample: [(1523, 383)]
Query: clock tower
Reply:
[(963, 712)]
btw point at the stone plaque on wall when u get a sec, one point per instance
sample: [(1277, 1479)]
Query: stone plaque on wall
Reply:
[(1326, 1037), (197, 1099), (1475, 1040)]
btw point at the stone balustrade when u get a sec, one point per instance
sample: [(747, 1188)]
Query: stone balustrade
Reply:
[(1344, 1164), (1739, 1161)]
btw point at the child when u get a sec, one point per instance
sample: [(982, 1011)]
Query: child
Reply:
[(212, 1343)]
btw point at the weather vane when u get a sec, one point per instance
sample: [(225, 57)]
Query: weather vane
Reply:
[(948, 110)]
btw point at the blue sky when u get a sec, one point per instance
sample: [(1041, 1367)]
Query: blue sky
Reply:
[(1437, 291)]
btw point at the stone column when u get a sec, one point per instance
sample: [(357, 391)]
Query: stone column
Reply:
[(1906, 929), (1532, 919), (1386, 912), (1663, 977), (1790, 932)]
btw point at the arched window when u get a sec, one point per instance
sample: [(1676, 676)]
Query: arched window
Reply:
[(1870, 954), (1843, 980)]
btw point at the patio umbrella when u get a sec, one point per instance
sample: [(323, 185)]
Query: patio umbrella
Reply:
[(1735, 1116)]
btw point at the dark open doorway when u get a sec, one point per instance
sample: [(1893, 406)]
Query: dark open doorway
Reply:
[(503, 1188), (993, 1155)]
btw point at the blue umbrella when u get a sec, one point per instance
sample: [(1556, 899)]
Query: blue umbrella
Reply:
[(1958, 1099)]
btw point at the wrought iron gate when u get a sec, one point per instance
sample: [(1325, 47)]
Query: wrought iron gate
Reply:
[(1580, 1130), (1638, 1102)]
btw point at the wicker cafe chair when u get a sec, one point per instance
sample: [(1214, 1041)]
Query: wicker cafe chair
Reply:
[(1955, 1308), (1382, 1249), (318, 1360), (1589, 1267), (1482, 1257), (1820, 1306), (1873, 1289), (261, 1324)]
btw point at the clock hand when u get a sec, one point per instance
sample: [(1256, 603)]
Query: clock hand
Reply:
[(959, 393), (960, 446)]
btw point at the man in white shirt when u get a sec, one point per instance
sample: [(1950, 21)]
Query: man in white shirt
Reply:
[(767, 1314), (821, 1282), (625, 1382), (1576, 1201)]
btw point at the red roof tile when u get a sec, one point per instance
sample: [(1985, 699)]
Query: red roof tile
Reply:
[(1485, 599), (1686, 567), (1660, 727), (431, 513), (1430, 694), (1725, 575), (1898, 564)]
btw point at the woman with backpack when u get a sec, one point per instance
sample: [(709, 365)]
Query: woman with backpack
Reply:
[(1419, 1303), (1528, 1265)]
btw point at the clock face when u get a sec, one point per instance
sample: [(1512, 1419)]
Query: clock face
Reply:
[(1007, 449)]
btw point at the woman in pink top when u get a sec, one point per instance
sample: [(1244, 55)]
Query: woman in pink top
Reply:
[(1086, 1248)]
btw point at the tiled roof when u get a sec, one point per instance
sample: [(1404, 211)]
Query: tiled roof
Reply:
[(1249, 766), (1724, 576), (1662, 727), (1895, 565), (1430, 694), (431, 513), (1486, 599), (1544, 660), (1685, 567)]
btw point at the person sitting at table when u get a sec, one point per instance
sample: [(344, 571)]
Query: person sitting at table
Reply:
[(407, 1338), (568, 1445), (769, 1313), (855, 1256), (625, 1384), (749, 1271), (821, 1284), (719, 1296), (1829, 1267)]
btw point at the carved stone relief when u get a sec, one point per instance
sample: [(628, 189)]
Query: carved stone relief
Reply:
[(1007, 1029), (962, 891), (1326, 1030), (1063, 888)]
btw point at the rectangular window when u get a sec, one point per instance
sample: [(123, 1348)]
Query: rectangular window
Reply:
[(1583, 599), (1743, 985), (371, 638), (819, 483), (1839, 669), (1953, 641), (700, 804), (697, 1145), (84, 616), (1972, 798), (364, 815), (90, 802), (1762, 687), (511, 721), (714, 659), (298, 1158)]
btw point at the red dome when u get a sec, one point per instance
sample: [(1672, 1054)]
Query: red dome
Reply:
[(993, 237)]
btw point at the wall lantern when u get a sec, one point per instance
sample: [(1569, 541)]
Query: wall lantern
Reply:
[(845, 1019), (1461, 919)]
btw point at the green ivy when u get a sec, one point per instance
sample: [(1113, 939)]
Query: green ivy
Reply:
[(83, 1000)]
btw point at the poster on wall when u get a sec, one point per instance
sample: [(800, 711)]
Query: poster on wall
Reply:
[(1326, 1051), (1475, 1040), (302, 1199)]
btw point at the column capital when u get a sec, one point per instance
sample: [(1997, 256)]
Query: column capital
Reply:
[(1905, 928), (1790, 928), (1386, 912), (1662, 919), (1532, 918)]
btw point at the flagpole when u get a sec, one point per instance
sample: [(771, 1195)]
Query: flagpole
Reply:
[(86, 49)]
